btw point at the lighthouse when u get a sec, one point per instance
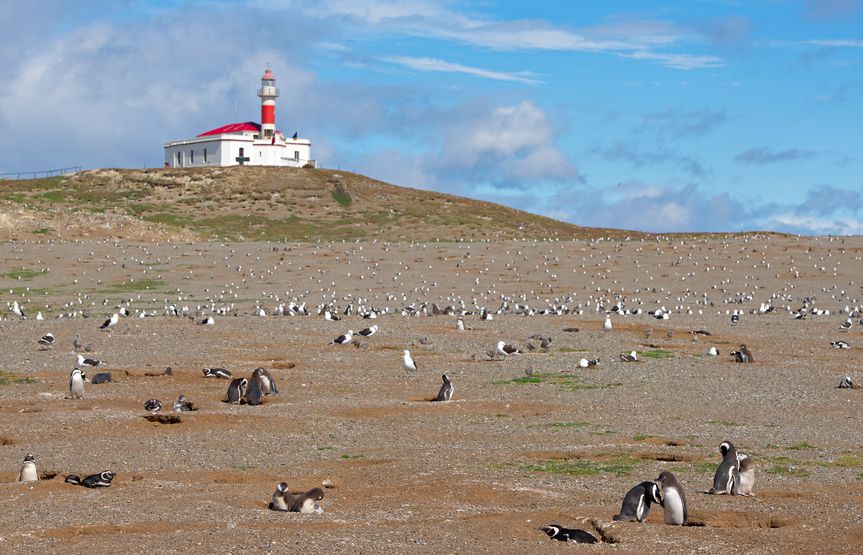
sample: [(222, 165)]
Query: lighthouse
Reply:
[(268, 93), (246, 143)]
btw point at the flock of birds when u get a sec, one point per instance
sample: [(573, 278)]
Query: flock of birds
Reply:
[(734, 475)]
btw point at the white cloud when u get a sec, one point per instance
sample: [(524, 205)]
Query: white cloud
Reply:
[(838, 43), (433, 64)]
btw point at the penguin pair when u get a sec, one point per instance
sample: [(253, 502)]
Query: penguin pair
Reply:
[(735, 474), (251, 391), (743, 355), (100, 480), (446, 390), (285, 501)]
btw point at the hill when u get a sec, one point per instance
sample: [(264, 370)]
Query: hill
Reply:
[(257, 203)]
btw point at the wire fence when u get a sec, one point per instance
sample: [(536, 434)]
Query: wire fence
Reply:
[(41, 173)]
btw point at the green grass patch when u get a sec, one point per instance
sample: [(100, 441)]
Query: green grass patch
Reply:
[(574, 424), (23, 273), (52, 196), (800, 447), (566, 382), (845, 461), (642, 437), (573, 350), (31, 291), (787, 470), (42, 231), (603, 433), (8, 377), (341, 195), (621, 464), (349, 457), (655, 353), (144, 284)]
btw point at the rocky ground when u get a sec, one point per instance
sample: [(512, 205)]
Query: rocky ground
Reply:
[(478, 474)]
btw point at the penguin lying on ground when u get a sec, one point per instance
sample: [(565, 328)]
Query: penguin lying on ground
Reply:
[(101, 480), (575, 535), (285, 501)]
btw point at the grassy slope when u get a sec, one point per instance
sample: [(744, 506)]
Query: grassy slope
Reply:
[(278, 203)]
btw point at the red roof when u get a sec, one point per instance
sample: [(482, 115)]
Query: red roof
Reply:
[(234, 128)]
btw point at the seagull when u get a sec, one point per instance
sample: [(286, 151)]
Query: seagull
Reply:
[(584, 363), (110, 322), (182, 405), (91, 362), (846, 325), (607, 324), (369, 331), (47, 339), (343, 339), (407, 362), (39, 316), (208, 321), (631, 357), (507, 350), (713, 352), (330, 316), (18, 311)]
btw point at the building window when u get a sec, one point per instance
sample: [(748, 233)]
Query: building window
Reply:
[(297, 155), (192, 157), (179, 158), (205, 155), (241, 151)]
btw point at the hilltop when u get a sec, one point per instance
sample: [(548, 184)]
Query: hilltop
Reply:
[(257, 203)]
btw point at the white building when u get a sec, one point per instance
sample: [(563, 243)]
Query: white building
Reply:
[(246, 143)]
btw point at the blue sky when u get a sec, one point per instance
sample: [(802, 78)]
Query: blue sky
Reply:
[(700, 115)]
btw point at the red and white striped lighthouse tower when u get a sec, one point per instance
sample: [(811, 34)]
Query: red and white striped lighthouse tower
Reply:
[(268, 94)]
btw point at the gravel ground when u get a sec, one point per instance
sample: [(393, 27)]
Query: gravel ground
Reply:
[(480, 473)]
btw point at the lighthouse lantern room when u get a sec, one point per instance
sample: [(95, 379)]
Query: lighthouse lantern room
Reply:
[(246, 143)]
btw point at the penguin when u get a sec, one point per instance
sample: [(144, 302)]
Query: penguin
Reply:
[(743, 355), (153, 406), (407, 362), (73, 479), (507, 350), (47, 339), (459, 324), (631, 357), (28, 471), (76, 383), (343, 339), (637, 501), (607, 324), (90, 362), (283, 499), (236, 390), (110, 322), (834, 344), (846, 325), (254, 391), (726, 480), (306, 502), (101, 480), (266, 380), (746, 353), (575, 535), (847, 383), (369, 331), (445, 393), (101, 377), (747, 475), (735, 318), (182, 405), (673, 499), (217, 373)]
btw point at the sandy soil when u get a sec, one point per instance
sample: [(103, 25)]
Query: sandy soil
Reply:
[(478, 474)]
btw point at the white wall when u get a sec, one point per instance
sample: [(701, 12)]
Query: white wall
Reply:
[(223, 151)]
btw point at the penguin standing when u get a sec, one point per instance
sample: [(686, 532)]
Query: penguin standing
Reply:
[(574, 535), (76, 384), (637, 501), (727, 477), (236, 390), (747, 475), (254, 391), (28, 471), (266, 381), (445, 393), (673, 499)]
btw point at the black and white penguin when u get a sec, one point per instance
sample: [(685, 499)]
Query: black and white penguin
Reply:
[(726, 480), (89, 362), (236, 390), (343, 339), (847, 383), (575, 535), (840, 345), (507, 350), (221, 373), (47, 339), (153, 406), (182, 404), (266, 381), (307, 502), (101, 377), (369, 331), (735, 318), (637, 501), (254, 392), (673, 499), (283, 499), (73, 479), (846, 325), (208, 321), (28, 471), (76, 384), (110, 322), (742, 355), (747, 475), (101, 480), (445, 393)]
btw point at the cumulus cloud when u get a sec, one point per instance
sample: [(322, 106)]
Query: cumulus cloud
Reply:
[(640, 157), (830, 9), (825, 200), (766, 155)]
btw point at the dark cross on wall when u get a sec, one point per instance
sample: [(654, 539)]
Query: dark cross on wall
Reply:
[(242, 159)]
